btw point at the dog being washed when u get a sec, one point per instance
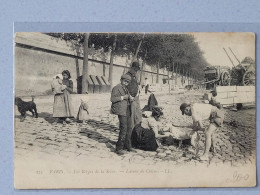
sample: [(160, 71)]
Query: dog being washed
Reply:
[(23, 107)]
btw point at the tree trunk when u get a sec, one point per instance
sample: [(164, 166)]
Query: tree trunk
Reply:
[(186, 77), (143, 66), (182, 76), (189, 78), (77, 67), (137, 50), (157, 73), (110, 78), (169, 81), (176, 79), (104, 69), (77, 61), (85, 65), (172, 69)]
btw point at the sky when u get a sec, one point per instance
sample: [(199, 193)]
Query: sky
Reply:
[(212, 44)]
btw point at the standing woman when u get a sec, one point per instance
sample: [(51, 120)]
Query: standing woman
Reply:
[(62, 108)]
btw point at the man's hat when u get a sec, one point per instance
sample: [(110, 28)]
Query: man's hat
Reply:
[(183, 106), (126, 77), (136, 65)]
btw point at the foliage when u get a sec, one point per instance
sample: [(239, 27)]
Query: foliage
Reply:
[(168, 50)]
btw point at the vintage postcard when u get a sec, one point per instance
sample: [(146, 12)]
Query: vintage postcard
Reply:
[(134, 110)]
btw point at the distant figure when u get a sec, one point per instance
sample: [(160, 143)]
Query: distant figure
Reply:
[(200, 112), (62, 108), (147, 84), (121, 106), (133, 89)]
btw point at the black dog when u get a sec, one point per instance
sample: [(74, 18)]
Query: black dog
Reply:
[(23, 107)]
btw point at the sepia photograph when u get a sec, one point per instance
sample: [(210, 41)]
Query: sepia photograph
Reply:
[(134, 110)]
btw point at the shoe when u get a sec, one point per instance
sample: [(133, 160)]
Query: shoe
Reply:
[(120, 152), (132, 150)]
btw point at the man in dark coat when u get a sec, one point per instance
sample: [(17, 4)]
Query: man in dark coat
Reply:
[(133, 88), (121, 106)]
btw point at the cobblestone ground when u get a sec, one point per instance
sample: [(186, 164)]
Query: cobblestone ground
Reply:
[(43, 136)]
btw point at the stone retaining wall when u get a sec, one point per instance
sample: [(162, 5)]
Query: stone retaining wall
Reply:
[(230, 95)]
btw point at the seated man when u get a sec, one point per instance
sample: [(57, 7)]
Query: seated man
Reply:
[(200, 112)]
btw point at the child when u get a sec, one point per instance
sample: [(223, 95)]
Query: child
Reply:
[(83, 113), (121, 106)]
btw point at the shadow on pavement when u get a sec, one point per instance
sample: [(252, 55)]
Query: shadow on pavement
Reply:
[(99, 138), (47, 116), (102, 125)]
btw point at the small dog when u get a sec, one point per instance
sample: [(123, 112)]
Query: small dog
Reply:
[(23, 107)]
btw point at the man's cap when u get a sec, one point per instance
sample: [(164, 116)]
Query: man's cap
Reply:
[(182, 107), (136, 65), (126, 77)]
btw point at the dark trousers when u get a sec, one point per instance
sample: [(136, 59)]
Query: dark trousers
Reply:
[(146, 89), (124, 139)]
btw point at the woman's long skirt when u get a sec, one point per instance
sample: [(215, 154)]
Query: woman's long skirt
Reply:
[(144, 139), (62, 105)]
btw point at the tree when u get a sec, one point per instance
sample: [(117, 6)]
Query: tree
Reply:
[(111, 61), (85, 72), (179, 52)]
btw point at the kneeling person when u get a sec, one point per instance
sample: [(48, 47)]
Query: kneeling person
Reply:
[(145, 135), (200, 112)]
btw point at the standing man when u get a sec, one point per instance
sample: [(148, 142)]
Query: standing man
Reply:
[(133, 88), (121, 106)]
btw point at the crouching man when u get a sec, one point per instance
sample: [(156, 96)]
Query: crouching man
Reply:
[(121, 106), (200, 112)]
